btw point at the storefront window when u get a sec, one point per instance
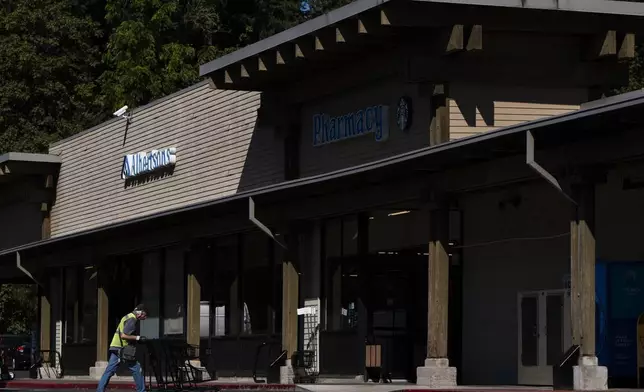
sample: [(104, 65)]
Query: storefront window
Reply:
[(350, 236), (226, 307), (88, 314), (257, 281), (80, 304), (174, 292), (342, 271), (72, 312)]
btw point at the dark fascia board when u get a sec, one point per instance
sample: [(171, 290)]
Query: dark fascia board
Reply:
[(614, 99), (30, 158), (630, 100), (357, 7), (587, 6), (303, 29)]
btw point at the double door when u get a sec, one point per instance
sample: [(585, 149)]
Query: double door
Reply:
[(544, 334)]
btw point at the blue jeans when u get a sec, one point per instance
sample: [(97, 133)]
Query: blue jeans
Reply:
[(112, 367)]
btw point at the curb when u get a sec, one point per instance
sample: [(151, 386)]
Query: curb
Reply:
[(128, 386)]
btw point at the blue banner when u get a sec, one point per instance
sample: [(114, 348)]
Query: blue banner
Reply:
[(623, 342), (626, 290)]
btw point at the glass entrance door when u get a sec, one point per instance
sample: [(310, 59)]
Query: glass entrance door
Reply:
[(544, 334)]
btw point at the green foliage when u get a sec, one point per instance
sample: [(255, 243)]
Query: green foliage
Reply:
[(48, 65), (18, 308), (319, 7)]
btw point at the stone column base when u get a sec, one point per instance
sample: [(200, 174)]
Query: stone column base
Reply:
[(436, 374), (589, 376), (96, 372), (286, 373), (46, 372), (198, 371)]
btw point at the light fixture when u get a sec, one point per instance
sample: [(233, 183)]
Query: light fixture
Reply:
[(399, 213)]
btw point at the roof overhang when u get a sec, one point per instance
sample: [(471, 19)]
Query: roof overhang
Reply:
[(606, 118), (17, 164), (377, 26)]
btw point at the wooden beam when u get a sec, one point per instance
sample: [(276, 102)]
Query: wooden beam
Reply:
[(384, 18), (602, 45), (339, 37), (626, 46), (227, 78), (439, 125), (582, 268), (318, 44), (261, 64), (45, 226), (454, 38), (49, 182), (193, 287), (45, 321), (243, 72), (474, 38), (279, 58), (438, 283), (290, 295), (298, 52), (362, 28), (102, 316), (45, 229)]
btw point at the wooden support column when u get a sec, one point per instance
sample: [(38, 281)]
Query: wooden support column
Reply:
[(102, 318), (437, 373), (582, 268), (290, 301), (438, 284), (439, 127), (45, 321), (193, 286), (588, 375)]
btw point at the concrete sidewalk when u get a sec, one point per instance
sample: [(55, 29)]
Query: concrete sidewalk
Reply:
[(121, 385), (407, 387)]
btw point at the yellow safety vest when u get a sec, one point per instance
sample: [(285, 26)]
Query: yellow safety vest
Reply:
[(117, 341)]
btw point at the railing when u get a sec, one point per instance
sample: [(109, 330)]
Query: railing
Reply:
[(47, 357), (169, 360), (272, 365)]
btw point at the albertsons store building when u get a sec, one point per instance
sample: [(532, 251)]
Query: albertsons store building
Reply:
[(439, 183)]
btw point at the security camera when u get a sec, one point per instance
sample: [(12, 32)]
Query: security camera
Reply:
[(121, 111)]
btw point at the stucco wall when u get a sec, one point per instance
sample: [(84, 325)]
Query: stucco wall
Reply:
[(495, 270)]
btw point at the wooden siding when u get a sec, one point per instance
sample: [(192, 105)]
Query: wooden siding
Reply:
[(476, 109), (346, 153), (220, 151)]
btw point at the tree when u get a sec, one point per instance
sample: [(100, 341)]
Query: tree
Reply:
[(49, 59), (144, 58), (18, 308), (313, 8)]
